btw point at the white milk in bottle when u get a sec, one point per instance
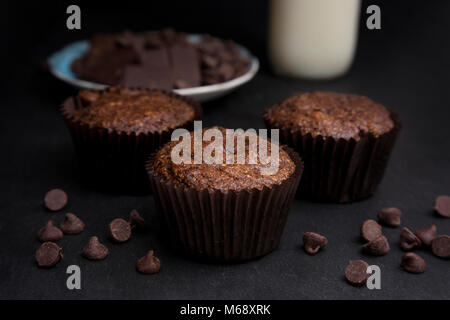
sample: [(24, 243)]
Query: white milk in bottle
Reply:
[(313, 39)]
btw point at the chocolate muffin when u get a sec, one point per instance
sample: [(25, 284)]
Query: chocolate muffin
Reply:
[(345, 141), (115, 130), (225, 211)]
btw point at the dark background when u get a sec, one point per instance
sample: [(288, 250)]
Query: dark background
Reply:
[(405, 65)]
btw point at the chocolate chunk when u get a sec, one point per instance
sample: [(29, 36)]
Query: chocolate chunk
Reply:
[(356, 272), (427, 235), (312, 242), (209, 61), (390, 216), (136, 220), (370, 230), (48, 254), (50, 233), (120, 230), (442, 206), (226, 71), (185, 64), (441, 246), (413, 263), (88, 96), (408, 240), (72, 224), (55, 199), (377, 247), (154, 72), (148, 264), (94, 250)]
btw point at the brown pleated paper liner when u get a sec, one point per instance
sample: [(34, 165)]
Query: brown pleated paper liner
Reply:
[(225, 226), (339, 170), (114, 161)]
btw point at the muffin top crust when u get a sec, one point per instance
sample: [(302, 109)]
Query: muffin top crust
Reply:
[(132, 110), (331, 114), (232, 176)]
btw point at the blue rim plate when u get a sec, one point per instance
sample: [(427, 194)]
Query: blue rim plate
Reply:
[(60, 66)]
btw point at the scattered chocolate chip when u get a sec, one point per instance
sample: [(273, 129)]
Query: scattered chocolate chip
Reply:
[(413, 263), (441, 246), (120, 230), (377, 247), (408, 240), (149, 264), (442, 206), (312, 242), (48, 254), (356, 272), (55, 199), (370, 230), (390, 216), (427, 235), (136, 220), (94, 250), (72, 224), (49, 232)]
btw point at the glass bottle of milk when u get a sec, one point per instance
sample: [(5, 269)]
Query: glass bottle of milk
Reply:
[(313, 39)]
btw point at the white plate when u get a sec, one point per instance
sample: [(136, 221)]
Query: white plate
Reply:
[(60, 66)]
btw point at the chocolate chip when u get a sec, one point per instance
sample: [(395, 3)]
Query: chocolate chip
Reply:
[(441, 246), (312, 242), (370, 230), (72, 224), (49, 232), (356, 272), (413, 263), (408, 240), (55, 199), (209, 61), (120, 230), (149, 264), (48, 254), (94, 250), (377, 247), (442, 206), (88, 96), (136, 220), (390, 216), (427, 235)]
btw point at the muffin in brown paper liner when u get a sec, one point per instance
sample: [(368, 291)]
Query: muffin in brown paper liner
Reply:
[(339, 170), (112, 160), (231, 226)]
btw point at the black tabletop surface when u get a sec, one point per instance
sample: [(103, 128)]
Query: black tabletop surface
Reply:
[(404, 66)]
